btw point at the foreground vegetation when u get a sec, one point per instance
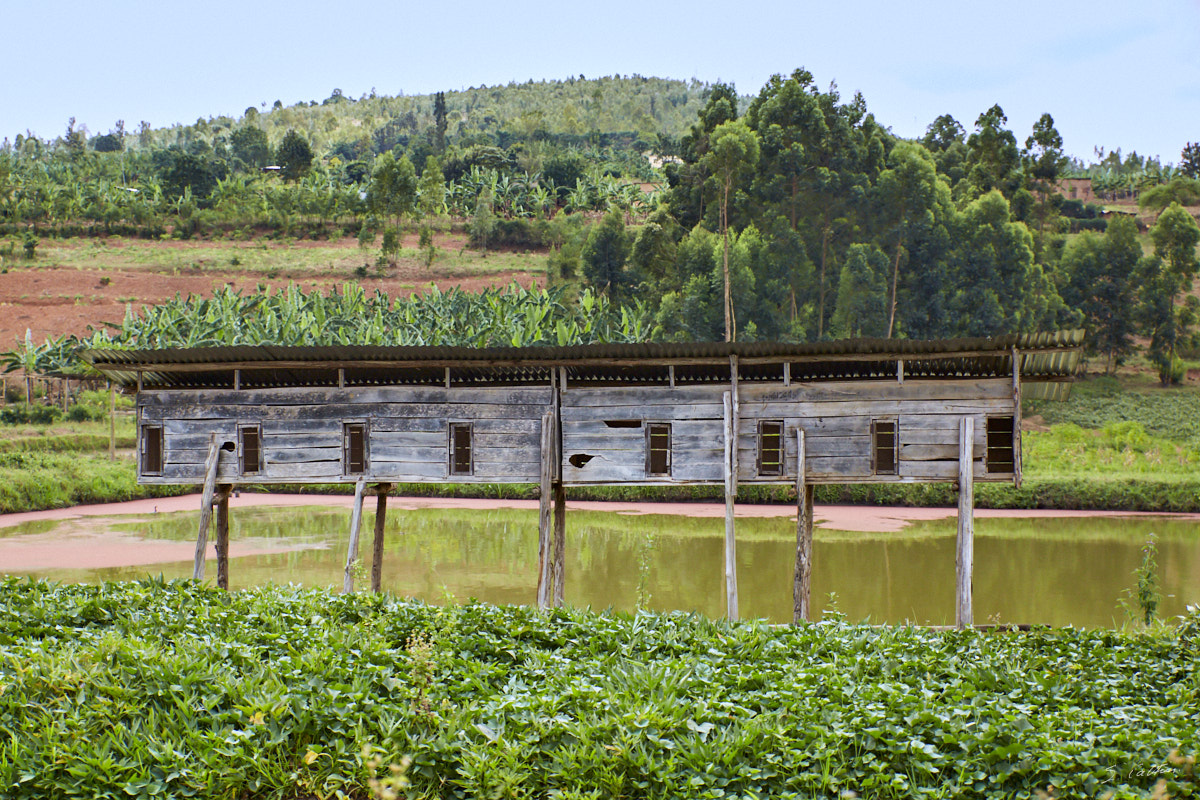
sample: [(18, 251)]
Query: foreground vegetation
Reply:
[(141, 689)]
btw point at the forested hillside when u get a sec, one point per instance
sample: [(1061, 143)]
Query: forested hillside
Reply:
[(792, 214)]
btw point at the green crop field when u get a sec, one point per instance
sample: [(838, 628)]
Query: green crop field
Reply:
[(151, 689)]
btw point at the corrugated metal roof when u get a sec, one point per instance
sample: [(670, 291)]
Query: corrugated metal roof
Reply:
[(1049, 356)]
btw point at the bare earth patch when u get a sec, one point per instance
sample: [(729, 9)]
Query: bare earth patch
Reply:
[(85, 544), (58, 301), (867, 519)]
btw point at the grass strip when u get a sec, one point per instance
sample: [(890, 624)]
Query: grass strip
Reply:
[(152, 688), (35, 481), (66, 443)]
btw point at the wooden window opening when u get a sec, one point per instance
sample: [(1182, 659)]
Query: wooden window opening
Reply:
[(152, 450), (658, 448), (883, 446), (354, 448), (250, 438), (1000, 457), (770, 447), (461, 455)]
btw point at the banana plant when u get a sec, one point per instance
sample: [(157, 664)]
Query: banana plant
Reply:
[(23, 358)]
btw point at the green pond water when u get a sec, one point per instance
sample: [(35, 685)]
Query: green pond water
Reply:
[(1047, 571)]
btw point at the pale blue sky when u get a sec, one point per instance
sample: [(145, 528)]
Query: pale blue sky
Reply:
[(1113, 74)]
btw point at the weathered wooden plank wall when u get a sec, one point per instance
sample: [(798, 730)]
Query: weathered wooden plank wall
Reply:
[(302, 437), (618, 454), (603, 430), (836, 417)]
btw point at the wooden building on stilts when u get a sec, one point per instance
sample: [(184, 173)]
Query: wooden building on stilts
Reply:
[(723, 414)]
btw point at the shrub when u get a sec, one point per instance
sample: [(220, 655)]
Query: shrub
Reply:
[(26, 414), (1126, 435), (86, 413)]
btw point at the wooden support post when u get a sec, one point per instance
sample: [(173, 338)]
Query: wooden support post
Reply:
[(355, 526), (559, 570), (206, 506), (731, 592), (802, 579), (377, 545), (900, 371), (112, 428), (787, 373), (964, 616), (1016, 388), (545, 587), (560, 545), (223, 536), (734, 419)]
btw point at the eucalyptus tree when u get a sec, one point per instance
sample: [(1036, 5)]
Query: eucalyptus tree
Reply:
[(431, 189), (945, 138), (820, 156), (440, 121), (1189, 160), (1175, 236), (687, 177), (997, 285), (732, 155), (1044, 162), (653, 253), (1100, 272), (605, 255), (862, 308), (905, 192), (250, 146), (393, 188), (295, 155), (1166, 276), (993, 159), (788, 119)]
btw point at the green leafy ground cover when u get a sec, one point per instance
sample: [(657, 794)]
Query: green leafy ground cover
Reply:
[(1172, 414), (146, 689)]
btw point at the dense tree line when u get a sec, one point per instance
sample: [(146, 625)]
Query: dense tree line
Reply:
[(536, 148), (793, 214), (804, 218)]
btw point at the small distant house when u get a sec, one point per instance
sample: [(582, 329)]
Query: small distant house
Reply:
[(1076, 189)]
